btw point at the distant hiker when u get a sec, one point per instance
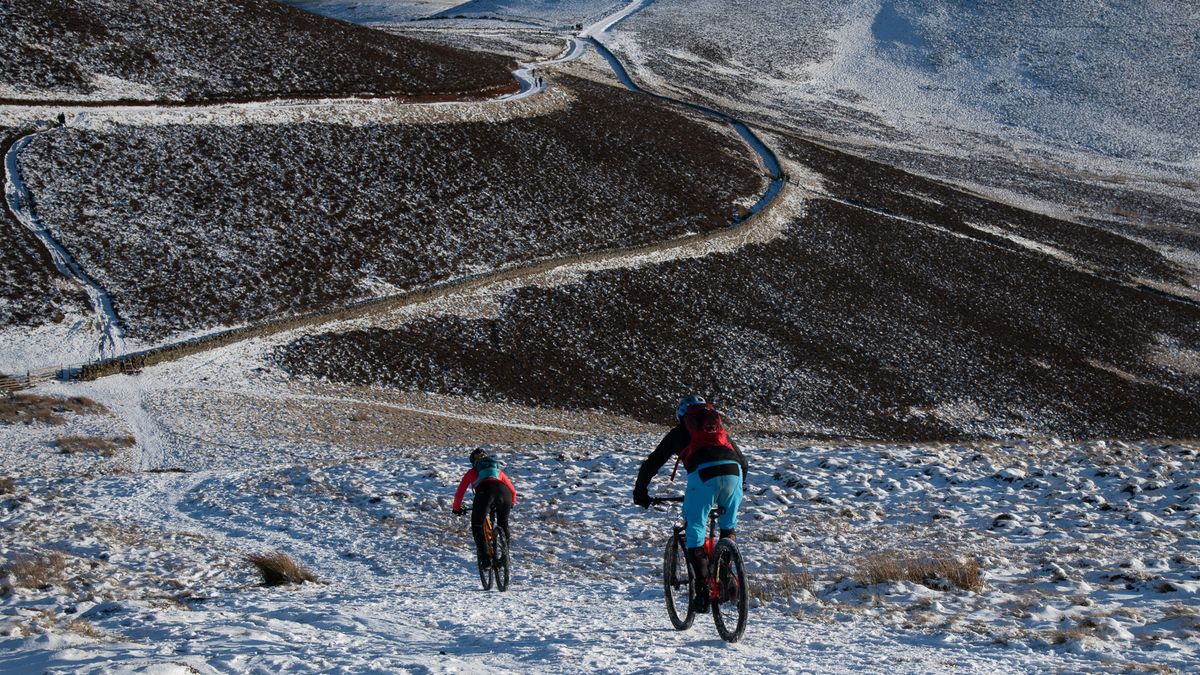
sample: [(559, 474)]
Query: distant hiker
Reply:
[(492, 487), (716, 471), (62, 119)]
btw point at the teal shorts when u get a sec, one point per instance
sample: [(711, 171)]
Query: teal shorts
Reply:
[(702, 496)]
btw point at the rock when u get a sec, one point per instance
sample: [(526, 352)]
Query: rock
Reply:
[(1056, 572), (1143, 518), (1010, 474), (1005, 520)]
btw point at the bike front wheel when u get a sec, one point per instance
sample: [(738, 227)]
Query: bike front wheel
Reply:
[(677, 584), (733, 601)]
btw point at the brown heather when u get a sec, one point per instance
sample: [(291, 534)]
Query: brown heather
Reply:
[(34, 571), (105, 447), (933, 571), (34, 408), (278, 569)]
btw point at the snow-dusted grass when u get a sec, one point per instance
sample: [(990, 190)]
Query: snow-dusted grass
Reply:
[(24, 408), (1085, 109), (196, 227), (523, 45), (166, 49), (1086, 552), (373, 12), (929, 570), (556, 13), (105, 447), (31, 289), (876, 311)]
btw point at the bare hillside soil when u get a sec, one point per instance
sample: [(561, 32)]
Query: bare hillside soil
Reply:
[(854, 323), (177, 50), (195, 227)]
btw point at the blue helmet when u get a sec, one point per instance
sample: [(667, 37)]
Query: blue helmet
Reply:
[(689, 400)]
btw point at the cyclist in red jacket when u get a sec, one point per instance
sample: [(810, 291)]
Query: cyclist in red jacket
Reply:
[(492, 487)]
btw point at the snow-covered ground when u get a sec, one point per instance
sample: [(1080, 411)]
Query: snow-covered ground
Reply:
[(1017, 71), (1087, 552), (124, 525)]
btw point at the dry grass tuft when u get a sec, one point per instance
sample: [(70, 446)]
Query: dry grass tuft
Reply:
[(278, 568), (31, 408), (1179, 610), (783, 583), (34, 571), (937, 572), (106, 447), (84, 628)]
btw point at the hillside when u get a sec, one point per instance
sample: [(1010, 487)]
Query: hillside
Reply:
[(1083, 110), (183, 50), (941, 279), (208, 225), (930, 320), (1077, 557)]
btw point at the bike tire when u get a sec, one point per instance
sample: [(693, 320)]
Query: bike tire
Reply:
[(677, 584), (733, 605), (500, 557), (485, 568)]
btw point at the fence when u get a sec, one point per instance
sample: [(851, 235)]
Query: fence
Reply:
[(11, 383)]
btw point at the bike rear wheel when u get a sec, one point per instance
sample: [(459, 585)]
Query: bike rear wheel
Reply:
[(485, 566), (677, 584), (500, 556), (733, 604)]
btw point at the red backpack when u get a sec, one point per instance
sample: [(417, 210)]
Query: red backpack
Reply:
[(704, 424)]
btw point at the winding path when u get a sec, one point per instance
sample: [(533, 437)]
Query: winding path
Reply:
[(113, 356), (20, 206)]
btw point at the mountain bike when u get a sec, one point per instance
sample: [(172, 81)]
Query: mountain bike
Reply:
[(496, 549), (727, 591)]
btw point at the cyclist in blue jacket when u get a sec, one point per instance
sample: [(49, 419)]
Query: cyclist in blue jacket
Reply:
[(716, 471)]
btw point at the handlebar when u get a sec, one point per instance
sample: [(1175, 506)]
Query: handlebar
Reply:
[(667, 500)]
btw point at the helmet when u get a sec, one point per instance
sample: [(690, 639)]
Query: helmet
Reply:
[(478, 454), (689, 400)]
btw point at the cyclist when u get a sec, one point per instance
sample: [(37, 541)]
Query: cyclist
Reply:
[(492, 487), (716, 471)]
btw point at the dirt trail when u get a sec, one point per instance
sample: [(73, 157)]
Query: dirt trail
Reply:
[(20, 208), (757, 227)]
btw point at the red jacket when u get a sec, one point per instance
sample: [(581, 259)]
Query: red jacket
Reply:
[(469, 479)]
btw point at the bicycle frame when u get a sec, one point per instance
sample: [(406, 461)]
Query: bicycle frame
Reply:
[(710, 549), (496, 564), (726, 578), (709, 545)]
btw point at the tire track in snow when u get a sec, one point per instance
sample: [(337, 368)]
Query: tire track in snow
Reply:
[(20, 206)]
